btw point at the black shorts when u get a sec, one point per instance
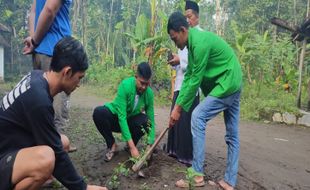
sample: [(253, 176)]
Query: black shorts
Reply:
[(6, 170)]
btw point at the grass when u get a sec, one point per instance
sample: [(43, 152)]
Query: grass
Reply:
[(258, 101), (85, 127)]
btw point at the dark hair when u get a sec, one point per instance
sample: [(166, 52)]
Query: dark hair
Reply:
[(69, 52), (193, 6), (144, 70), (176, 21)]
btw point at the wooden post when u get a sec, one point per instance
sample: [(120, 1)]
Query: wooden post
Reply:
[(301, 62)]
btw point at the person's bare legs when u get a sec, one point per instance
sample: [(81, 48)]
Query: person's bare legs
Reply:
[(32, 167)]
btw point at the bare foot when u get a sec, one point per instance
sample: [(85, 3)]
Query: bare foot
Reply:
[(198, 182), (198, 179), (225, 185)]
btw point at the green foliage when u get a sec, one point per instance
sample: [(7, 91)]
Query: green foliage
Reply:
[(121, 169), (109, 81), (144, 186), (120, 36), (260, 101), (264, 59)]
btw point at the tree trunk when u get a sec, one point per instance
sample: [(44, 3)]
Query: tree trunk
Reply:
[(249, 73), (218, 17), (224, 15), (109, 27), (154, 4), (84, 23), (275, 27), (308, 9), (295, 15), (295, 24), (139, 9), (301, 62), (76, 13)]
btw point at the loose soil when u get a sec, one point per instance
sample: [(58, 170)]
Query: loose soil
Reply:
[(272, 156)]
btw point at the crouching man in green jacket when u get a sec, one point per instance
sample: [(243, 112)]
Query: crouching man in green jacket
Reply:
[(126, 113)]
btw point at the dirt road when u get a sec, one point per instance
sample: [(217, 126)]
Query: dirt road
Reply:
[(272, 156)]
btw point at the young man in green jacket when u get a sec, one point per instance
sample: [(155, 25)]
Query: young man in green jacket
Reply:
[(214, 67), (125, 113)]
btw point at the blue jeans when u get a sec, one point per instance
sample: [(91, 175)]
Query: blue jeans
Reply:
[(205, 111)]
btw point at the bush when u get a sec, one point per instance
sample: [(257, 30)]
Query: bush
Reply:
[(260, 101)]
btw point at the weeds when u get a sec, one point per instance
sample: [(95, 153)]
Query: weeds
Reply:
[(120, 170), (144, 186)]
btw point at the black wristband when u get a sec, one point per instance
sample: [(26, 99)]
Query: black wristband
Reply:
[(34, 43)]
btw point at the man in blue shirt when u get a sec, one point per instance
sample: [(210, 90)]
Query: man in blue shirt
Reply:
[(48, 23)]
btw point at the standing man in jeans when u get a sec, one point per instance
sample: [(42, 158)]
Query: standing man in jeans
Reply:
[(48, 23), (213, 66)]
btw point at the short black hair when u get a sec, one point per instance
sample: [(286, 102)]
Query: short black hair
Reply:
[(144, 70), (193, 6), (69, 52), (176, 21)]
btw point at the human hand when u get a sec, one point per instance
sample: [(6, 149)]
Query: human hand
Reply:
[(175, 115), (95, 187), (175, 60), (148, 147), (28, 48), (134, 152)]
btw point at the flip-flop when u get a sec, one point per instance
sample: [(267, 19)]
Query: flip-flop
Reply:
[(109, 155), (185, 184)]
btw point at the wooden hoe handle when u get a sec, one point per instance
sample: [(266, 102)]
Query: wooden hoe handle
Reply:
[(140, 162)]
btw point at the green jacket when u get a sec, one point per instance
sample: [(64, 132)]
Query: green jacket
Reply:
[(212, 65), (123, 107)]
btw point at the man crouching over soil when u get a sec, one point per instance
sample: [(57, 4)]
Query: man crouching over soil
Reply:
[(125, 115), (31, 149)]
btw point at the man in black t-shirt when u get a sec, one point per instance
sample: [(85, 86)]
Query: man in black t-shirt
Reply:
[(31, 149)]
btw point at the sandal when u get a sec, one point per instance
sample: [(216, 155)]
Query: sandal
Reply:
[(185, 184), (109, 155)]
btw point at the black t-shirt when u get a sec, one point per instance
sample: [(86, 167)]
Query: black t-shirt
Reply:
[(27, 119)]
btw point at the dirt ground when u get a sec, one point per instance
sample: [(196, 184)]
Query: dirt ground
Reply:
[(271, 156)]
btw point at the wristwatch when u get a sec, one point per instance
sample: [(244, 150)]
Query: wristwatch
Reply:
[(34, 43)]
